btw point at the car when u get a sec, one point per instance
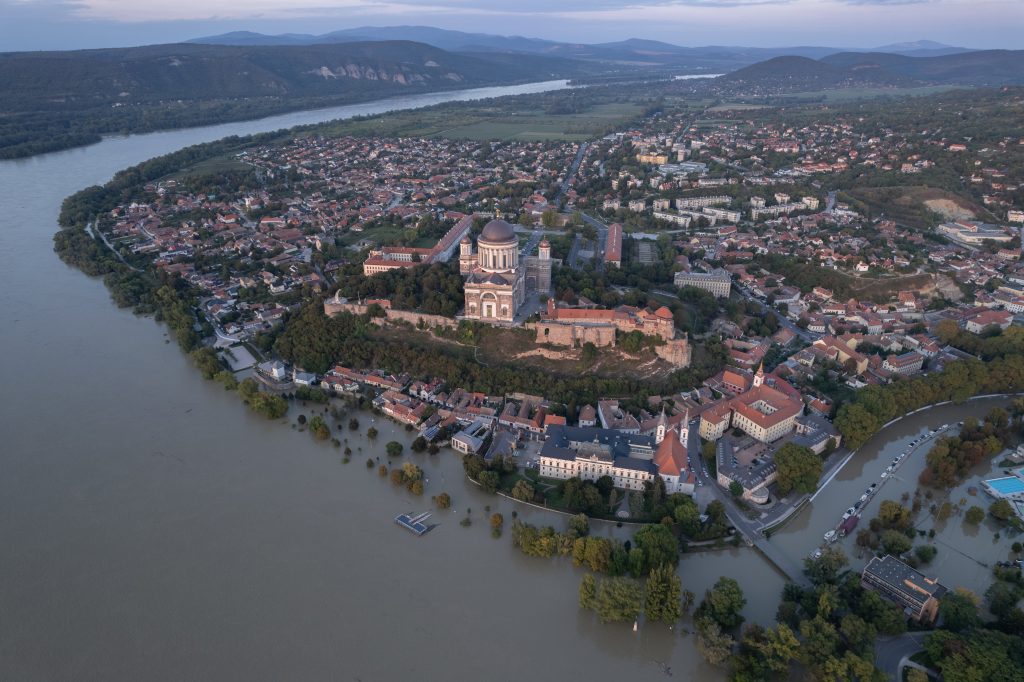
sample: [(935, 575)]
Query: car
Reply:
[(857, 504), (889, 469), (864, 497), (851, 511), (885, 474)]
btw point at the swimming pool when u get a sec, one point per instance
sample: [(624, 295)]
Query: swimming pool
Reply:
[(1010, 485)]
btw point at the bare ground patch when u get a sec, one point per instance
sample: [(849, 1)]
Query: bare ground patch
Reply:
[(949, 209)]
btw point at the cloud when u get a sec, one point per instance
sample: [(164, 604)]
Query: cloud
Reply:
[(133, 11), (889, 3)]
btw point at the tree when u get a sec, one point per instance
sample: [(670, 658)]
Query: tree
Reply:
[(915, 675), (319, 428), (798, 469), (858, 633), (371, 432), (598, 554), (489, 481), (856, 424), (735, 488), (977, 654), (579, 525), (974, 515), (767, 652), (820, 640), (589, 354), (419, 444), (825, 568), (393, 448), (892, 514), (1001, 510), (958, 609), (353, 424), (714, 644), (662, 595), (497, 521), (895, 542), (523, 490), (658, 545), (411, 472), (925, 553), (443, 500), (724, 604), (588, 592), (619, 599), (687, 515)]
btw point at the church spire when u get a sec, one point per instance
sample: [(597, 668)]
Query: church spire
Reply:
[(759, 377), (659, 434)]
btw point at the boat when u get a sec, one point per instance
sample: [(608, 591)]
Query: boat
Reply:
[(830, 536)]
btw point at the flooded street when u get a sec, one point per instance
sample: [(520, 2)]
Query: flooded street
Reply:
[(961, 546)]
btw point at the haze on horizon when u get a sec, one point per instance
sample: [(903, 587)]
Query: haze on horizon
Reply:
[(74, 24)]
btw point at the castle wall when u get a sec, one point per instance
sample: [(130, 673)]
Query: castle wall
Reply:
[(676, 352), (390, 315)]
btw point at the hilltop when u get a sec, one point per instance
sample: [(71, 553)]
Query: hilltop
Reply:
[(844, 69)]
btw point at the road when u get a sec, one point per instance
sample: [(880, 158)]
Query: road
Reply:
[(571, 174), (103, 236), (830, 203), (708, 490), (890, 651), (531, 244)]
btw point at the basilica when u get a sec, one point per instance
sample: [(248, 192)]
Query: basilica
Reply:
[(496, 282)]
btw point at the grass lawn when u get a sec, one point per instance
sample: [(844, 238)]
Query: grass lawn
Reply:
[(487, 122), (218, 164), (375, 234), (848, 94)]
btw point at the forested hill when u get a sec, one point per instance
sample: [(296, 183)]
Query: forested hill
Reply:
[(981, 68), (55, 100), (197, 72)]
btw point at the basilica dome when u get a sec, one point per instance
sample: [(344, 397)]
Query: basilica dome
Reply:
[(498, 232)]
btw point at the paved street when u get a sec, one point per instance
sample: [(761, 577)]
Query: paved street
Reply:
[(889, 651), (569, 176)]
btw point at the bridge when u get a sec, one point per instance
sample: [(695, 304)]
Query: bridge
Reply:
[(789, 568)]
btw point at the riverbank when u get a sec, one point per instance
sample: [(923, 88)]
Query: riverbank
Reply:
[(93, 127)]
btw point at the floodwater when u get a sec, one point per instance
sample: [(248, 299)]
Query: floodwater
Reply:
[(966, 553), (153, 528)]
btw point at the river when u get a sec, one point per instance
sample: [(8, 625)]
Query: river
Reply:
[(153, 528)]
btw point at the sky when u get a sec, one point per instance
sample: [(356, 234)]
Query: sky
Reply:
[(72, 24)]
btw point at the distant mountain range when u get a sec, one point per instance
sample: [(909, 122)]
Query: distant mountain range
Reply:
[(634, 51), (794, 73)]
